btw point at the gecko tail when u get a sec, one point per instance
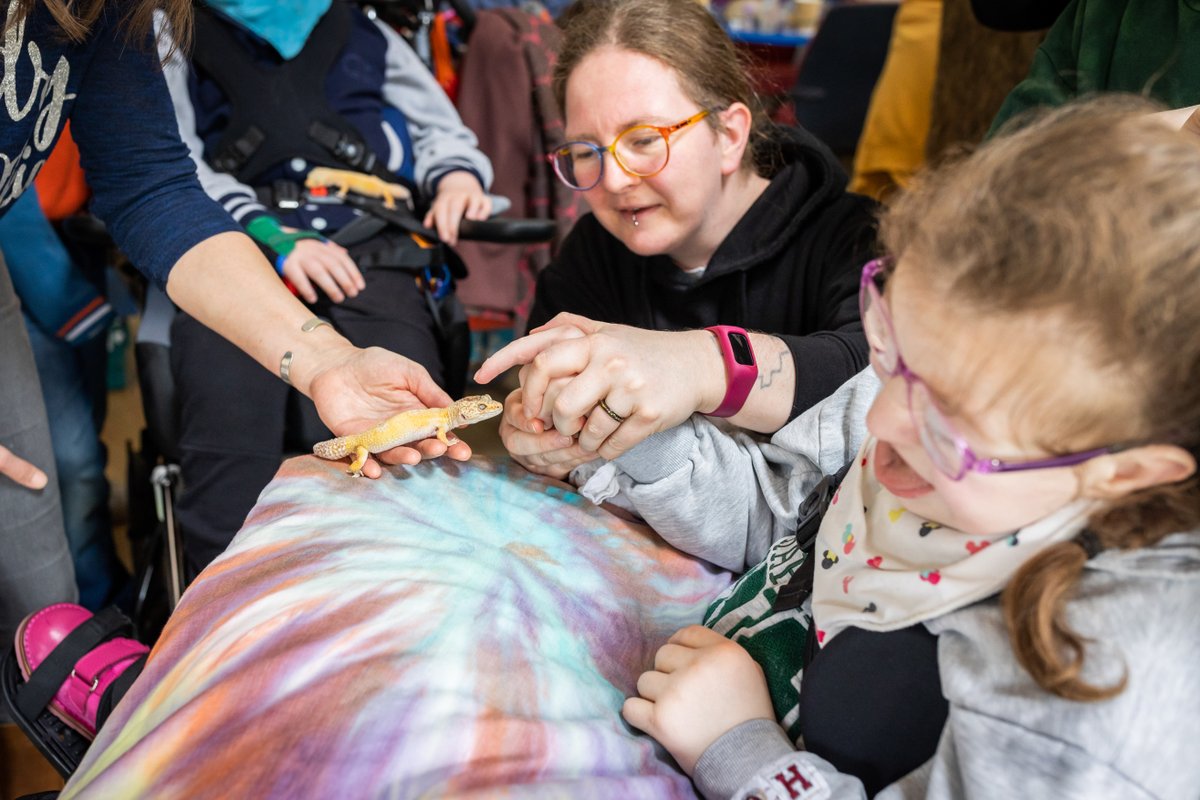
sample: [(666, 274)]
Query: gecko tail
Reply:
[(332, 449)]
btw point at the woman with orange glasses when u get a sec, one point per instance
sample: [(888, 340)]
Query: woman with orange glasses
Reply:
[(703, 212)]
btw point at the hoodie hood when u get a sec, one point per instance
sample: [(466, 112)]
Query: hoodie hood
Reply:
[(806, 180), (1177, 556), (805, 177)]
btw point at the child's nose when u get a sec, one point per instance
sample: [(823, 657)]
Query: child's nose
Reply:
[(889, 418)]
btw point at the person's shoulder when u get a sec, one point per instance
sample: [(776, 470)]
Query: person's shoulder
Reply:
[(363, 23), (806, 175), (1136, 613), (1145, 597)]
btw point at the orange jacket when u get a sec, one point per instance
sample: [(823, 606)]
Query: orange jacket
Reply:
[(60, 184)]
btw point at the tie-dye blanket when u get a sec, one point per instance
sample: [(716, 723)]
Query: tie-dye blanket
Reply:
[(464, 630)]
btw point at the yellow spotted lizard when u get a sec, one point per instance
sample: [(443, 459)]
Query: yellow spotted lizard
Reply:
[(345, 181), (409, 426)]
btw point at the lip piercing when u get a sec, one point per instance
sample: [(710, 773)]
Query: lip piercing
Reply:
[(634, 215)]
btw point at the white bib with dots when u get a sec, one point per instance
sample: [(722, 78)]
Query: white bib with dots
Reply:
[(881, 568)]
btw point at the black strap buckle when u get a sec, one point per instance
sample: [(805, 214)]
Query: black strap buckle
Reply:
[(811, 512), (286, 194), (351, 152), (236, 153)]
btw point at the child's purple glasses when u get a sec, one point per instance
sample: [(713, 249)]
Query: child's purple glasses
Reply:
[(948, 451)]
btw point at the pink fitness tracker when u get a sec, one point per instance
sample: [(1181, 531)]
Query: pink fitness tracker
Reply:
[(740, 368)]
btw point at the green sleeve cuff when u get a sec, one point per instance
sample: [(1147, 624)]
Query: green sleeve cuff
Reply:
[(267, 231)]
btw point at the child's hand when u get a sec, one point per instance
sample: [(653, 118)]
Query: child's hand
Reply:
[(702, 686), (326, 264), (539, 448), (459, 194)]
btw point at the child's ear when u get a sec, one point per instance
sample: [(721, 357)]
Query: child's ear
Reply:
[(1113, 476), (735, 138)]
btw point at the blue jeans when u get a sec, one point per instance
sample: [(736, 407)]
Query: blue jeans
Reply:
[(73, 389)]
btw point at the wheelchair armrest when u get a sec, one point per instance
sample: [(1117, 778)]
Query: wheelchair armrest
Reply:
[(497, 229), (507, 231)]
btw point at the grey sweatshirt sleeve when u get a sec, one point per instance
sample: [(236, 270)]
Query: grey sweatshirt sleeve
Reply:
[(238, 199), (978, 757), (727, 496), (441, 142), (756, 760)]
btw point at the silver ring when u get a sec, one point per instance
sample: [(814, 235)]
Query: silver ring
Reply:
[(603, 406)]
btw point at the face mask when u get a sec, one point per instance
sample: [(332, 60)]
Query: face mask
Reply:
[(284, 24)]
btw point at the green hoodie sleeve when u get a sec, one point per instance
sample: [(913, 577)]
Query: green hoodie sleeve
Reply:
[(1053, 77)]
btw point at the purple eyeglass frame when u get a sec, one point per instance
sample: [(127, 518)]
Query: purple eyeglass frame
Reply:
[(969, 461)]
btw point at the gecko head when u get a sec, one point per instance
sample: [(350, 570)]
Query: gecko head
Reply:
[(318, 176), (477, 408)]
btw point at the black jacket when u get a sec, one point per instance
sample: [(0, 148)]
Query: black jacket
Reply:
[(789, 267)]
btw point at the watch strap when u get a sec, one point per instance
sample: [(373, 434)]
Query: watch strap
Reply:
[(739, 376)]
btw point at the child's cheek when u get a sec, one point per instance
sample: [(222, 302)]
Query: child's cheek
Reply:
[(960, 505), (992, 505)]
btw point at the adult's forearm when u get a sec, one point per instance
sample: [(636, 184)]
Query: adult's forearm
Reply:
[(769, 404), (226, 283)]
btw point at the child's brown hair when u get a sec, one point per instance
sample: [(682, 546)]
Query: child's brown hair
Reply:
[(1087, 216)]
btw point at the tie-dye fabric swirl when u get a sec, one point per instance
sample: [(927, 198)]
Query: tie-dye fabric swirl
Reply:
[(451, 630)]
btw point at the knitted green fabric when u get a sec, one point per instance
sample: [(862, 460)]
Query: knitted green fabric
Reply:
[(744, 613)]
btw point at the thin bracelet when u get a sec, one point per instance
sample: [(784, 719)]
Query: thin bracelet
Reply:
[(285, 363)]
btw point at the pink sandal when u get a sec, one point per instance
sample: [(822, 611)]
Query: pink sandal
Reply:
[(73, 666)]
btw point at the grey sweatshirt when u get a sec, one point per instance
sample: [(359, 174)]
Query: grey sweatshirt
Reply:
[(726, 497)]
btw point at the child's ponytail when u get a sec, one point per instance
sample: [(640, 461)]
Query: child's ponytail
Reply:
[(1035, 600), (1035, 607)]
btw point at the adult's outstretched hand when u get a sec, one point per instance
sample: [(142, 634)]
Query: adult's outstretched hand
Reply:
[(366, 387)]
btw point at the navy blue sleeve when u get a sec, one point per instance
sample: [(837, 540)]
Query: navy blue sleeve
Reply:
[(143, 181)]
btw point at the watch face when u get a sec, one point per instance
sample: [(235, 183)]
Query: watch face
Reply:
[(740, 344)]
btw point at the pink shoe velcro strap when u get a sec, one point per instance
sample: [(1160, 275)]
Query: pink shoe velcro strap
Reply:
[(81, 694), (107, 661)]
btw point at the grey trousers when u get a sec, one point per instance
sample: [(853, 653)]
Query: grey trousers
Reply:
[(35, 563)]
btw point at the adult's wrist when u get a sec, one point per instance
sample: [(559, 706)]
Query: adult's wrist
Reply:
[(740, 367), (711, 372), (314, 352)]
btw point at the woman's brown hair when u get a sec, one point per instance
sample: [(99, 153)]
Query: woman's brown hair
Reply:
[(681, 34), (1086, 216), (76, 18)]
